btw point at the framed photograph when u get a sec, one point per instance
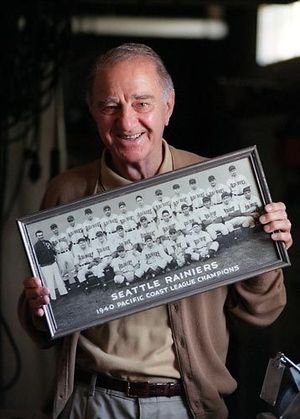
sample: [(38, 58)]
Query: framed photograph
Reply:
[(152, 242)]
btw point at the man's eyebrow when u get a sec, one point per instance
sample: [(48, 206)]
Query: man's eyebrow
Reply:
[(143, 96)]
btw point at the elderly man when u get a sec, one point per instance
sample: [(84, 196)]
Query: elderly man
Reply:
[(168, 361)]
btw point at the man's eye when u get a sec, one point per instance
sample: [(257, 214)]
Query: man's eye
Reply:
[(142, 106), (108, 109)]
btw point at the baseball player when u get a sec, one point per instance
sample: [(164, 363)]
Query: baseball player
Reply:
[(215, 190), (211, 217), (75, 231), (164, 225), (109, 222), (103, 254), (122, 238), (84, 260), (195, 195), (161, 203), (249, 204), (178, 199), (127, 221), (144, 210), (146, 229), (64, 257), (200, 244), (186, 219), (236, 182), (91, 225), (154, 258), (233, 217), (126, 267), (176, 247), (46, 257)]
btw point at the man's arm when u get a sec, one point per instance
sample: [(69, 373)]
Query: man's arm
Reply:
[(261, 299)]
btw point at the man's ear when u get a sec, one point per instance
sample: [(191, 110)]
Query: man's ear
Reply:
[(170, 106)]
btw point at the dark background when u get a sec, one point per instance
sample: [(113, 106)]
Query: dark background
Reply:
[(224, 102)]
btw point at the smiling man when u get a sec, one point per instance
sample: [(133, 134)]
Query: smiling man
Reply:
[(168, 361)]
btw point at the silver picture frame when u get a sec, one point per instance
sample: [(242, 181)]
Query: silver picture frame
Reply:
[(147, 264)]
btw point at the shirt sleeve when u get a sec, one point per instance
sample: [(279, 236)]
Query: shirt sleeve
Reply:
[(258, 300)]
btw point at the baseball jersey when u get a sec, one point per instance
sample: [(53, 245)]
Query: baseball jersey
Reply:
[(232, 207), (178, 200), (185, 222), (102, 249), (164, 227), (154, 254), (215, 193), (176, 246), (237, 184), (198, 240), (128, 221), (195, 197), (60, 242), (128, 263), (143, 231), (160, 206), (211, 213), (75, 233), (91, 227), (110, 223), (147, 211), (84, 256), (250, 205)]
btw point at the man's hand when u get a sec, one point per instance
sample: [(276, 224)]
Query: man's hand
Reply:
[(275, 221), (36, 295)]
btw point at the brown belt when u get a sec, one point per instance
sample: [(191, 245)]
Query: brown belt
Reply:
[(132, 389)]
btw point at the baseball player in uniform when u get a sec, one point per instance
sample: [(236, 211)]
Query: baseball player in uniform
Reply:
[(176, 247), (211, 217), (91, 225), (146, 229), (178, 199), (64, 257), (109, 222), (144, 210), (126, 267), (128, 221), (236, 182), (75, 231), (164, 225), (161, 203), (186, 219), (46, 257), (122, 238), (250, 204), (233, 217), (154, 258), (84, 260), (200, 244), (215, 190), (103, 254), (195, 195)]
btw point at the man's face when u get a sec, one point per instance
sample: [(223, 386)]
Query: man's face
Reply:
[(233, 172), (159, 196), (196, 228), (149, 243), (40, 235), (107, 211), (55, 231), (144, 222), (122, 209), (213, 183), (89, 216), (185, 210), (165, 216), (72, 223), (140, 201), (130, 111), (121, 253), (82, 244), (226, 200), (247, 194)]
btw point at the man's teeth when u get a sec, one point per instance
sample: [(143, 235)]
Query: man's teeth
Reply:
[(130, 137)]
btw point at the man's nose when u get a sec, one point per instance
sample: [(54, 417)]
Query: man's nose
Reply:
[(127, 118)]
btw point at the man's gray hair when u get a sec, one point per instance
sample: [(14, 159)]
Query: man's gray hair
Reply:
[(126, 52)]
